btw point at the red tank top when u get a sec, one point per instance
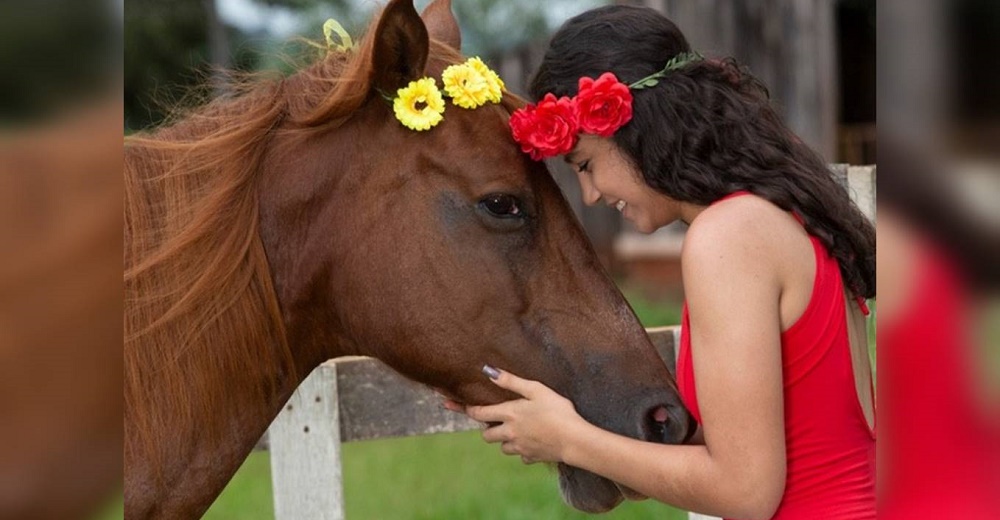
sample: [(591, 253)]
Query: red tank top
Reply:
[(830, 450)]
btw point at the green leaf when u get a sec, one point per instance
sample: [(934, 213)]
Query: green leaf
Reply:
[(649, 81)]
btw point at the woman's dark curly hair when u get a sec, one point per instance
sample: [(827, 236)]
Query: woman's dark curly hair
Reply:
[(707, 129)]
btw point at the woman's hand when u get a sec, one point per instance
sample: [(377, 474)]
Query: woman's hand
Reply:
[(535, 427)]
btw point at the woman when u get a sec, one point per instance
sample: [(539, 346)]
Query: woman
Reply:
[(776, 264)]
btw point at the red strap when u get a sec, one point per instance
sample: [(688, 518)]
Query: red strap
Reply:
[(863, 305), (733, 194)]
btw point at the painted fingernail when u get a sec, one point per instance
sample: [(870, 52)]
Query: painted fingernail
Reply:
[(491, 372)]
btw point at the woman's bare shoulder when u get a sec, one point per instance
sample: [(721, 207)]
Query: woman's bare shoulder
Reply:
[(746, 226)]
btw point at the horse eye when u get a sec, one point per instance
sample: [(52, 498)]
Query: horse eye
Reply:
[(502, 205)]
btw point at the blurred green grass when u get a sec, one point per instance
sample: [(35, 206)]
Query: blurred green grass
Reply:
[(654, 311), (444, 476)]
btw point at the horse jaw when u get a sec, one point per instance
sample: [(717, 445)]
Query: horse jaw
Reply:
[(587, 491)]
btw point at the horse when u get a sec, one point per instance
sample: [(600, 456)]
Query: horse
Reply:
[(296, 220)]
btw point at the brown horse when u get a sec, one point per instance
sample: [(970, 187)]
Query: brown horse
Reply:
[(300, 221)]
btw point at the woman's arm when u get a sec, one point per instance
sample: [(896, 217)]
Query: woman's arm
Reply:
[(544, 427), (733, 293)]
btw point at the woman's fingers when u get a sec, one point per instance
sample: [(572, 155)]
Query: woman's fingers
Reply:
[(496, 413), (498, 433), (504, 379), (454, 406), (508, 448)]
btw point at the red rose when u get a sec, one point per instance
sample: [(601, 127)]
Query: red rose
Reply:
[(603, 105), (546, 129)]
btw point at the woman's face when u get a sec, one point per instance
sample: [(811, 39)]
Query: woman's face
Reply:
[(605, 174)]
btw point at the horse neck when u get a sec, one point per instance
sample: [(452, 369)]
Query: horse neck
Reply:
[(310, 227), (195, 471), (192, 466), (207, 364)]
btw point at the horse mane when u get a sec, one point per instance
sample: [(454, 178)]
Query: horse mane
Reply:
[(199, 299)]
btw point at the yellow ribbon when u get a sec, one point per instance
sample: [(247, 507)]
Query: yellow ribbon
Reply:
[(332, 27)]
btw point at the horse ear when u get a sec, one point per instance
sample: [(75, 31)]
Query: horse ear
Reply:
[(441, 23), (400, 49)]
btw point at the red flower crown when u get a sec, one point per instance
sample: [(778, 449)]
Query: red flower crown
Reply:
[(602, 106)]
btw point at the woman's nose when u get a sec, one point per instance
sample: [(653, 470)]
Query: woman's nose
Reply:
[(590, 194)]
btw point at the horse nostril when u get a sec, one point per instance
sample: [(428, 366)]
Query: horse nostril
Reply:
[(658, 420)]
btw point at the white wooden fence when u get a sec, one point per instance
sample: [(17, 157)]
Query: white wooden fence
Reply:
[(358, 398)]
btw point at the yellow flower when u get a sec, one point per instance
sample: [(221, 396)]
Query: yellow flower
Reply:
[(494, 84), (419, 105), (466, 86)]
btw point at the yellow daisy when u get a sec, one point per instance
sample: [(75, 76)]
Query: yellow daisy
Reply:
[(466, 86), (419, 105), (493, 82)]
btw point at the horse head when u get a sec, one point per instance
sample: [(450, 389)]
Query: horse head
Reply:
[(442, 250)]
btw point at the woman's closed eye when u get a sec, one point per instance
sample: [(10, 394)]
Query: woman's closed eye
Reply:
[(584, 167)]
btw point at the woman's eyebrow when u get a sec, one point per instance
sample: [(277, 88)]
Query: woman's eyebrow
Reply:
[(570, 157)]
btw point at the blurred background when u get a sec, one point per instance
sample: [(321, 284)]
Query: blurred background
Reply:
[(939, 259), (79, 73), (60, 258)]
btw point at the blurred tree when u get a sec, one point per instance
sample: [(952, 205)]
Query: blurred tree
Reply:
[(165, 55), (172, 47), (490, 27), (171, 51), (310, 4), (52, 54)]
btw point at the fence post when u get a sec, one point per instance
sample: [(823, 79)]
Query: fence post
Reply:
[(305, 451), (861, 185)]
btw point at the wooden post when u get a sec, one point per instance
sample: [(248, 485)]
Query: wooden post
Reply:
[(861, 186), (305, 451)]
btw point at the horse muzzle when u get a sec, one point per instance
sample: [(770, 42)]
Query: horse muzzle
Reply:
[(663, 423)]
